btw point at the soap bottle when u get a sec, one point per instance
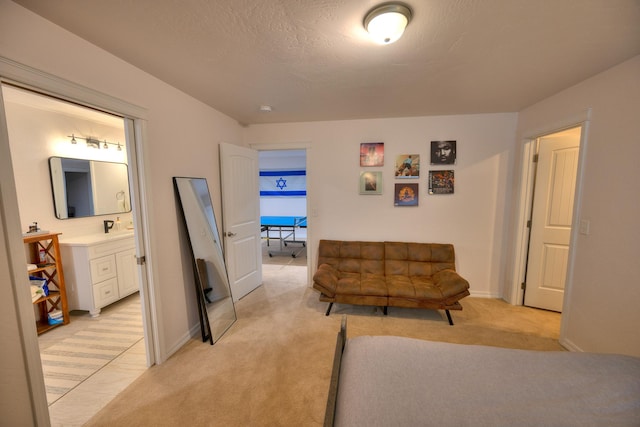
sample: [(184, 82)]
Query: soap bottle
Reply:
[(117, 223)]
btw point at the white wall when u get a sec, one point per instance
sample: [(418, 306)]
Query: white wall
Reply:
[(182, 137), (34, 136), (472, 218), (604, 295)]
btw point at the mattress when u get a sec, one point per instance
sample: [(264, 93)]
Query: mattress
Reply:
[(396, 381)]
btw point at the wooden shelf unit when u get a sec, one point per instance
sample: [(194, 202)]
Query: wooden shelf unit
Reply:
[(52, 271)]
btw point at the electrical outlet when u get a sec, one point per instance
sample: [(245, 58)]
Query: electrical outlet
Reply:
[(585, 224)]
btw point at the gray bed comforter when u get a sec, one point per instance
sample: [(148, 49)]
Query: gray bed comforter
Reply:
[(395, 381)]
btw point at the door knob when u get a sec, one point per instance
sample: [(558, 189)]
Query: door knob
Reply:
[(230, 234)]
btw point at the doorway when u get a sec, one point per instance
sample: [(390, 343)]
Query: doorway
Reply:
[(39, 127), (284, 202), (551, 219)]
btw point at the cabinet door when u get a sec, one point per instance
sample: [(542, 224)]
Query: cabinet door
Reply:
[(127, 272)]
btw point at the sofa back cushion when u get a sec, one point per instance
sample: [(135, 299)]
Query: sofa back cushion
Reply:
[(418, 259), (352, 257)]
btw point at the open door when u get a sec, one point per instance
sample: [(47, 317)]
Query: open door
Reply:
[(551, 219), (241, 218)]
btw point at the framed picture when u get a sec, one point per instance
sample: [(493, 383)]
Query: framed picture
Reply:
[(372, 154), (441, 182), (443, 152), (408, 166), (406, 195), (370, 182)]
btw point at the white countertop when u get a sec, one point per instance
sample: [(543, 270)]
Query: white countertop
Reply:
[(92, 239)]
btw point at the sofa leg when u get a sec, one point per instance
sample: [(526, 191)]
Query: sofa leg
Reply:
[(449, 317), (384, 310), (329, 309)]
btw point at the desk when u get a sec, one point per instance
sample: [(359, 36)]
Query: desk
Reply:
[(286, 227)]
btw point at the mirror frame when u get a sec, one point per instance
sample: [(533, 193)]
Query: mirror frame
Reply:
[(207, 258), (59, 188)]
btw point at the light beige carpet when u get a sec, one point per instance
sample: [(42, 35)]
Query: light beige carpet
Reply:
[(272, 368)]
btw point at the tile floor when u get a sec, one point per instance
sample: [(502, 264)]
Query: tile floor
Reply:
[(80, 404)]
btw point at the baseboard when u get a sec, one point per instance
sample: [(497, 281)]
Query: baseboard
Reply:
[(194, 332), (569, 345), (484, 294)]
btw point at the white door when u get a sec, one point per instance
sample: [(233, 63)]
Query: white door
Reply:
[(551, 219), (241, 218)]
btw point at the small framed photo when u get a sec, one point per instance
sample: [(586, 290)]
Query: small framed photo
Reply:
[(370, 182), (406, 195), (441, 182), (443, 152), (372, 154), (408, 166)]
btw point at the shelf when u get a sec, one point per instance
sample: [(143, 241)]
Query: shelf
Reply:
[(42, 267), (53, 295), (46, 245), (44, 326)]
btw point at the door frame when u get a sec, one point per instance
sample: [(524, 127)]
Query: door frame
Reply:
[(525, 200), (307, 147), (134, 117)]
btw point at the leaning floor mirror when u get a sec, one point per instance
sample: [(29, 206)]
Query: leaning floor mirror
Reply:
[(217, 312)]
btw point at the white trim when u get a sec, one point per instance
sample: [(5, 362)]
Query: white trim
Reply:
[(484, 294), (14, 73), (10, 236), (310, 210), (281, 146), (524, 214), (570, 345), (521, 238), (568, 288), (134, 131), (30, 78)]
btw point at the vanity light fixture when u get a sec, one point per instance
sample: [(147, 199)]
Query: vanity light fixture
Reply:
[(95, 143), (386, 23)]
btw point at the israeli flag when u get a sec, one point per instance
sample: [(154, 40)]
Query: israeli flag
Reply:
[(283, 183)]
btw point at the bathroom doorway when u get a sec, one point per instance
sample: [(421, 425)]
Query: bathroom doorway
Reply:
[(39, 127)]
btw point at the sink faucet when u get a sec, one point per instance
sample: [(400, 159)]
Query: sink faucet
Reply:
[(108, 225)]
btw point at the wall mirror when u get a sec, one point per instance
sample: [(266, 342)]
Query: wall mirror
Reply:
[(217, 312), (83, 188)]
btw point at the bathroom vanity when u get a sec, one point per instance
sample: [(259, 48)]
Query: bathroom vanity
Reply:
[(99, 270)]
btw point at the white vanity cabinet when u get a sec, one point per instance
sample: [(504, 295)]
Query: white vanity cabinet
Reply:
[(99, 270)]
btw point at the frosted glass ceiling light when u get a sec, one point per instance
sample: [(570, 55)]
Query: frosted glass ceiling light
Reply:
[(386, 23)]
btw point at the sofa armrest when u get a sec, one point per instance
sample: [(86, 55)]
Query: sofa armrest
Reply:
[(326, 280), (450, 282)]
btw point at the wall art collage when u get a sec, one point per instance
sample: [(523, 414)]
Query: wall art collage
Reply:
[(443, 154)]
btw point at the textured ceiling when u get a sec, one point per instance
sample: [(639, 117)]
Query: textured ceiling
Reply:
[(311, 59)]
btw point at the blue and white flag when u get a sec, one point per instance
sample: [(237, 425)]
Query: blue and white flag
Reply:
[(283, 183)]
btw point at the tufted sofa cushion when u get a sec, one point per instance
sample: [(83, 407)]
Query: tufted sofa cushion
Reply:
[(401, 274)]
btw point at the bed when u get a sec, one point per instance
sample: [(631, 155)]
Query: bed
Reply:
[(389, 380)]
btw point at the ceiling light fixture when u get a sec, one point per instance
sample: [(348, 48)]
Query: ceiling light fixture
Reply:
[(386, 23), (266, 108)]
